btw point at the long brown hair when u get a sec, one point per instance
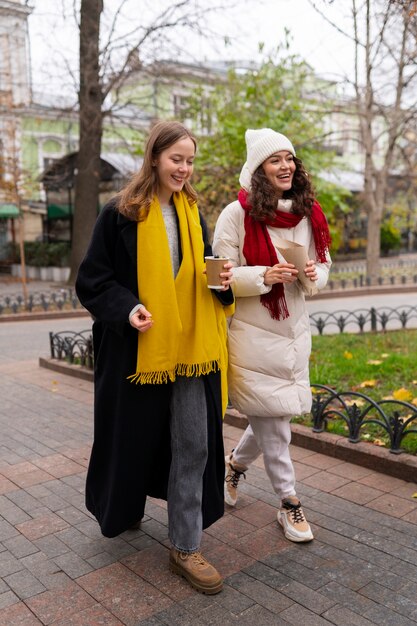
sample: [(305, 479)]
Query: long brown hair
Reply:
[(135, 199), (263, 199)]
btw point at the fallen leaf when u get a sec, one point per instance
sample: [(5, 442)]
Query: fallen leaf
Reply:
[(378, 442), (374, 362), (368, 383), (347, 354), (414, 401), (358, 402), (385, 355), (402, 394), (414, 495)]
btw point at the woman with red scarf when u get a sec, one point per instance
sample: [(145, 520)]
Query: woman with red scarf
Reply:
[(269, 335)]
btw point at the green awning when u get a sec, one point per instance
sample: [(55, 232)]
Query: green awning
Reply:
[(8, 210), (59, 211)]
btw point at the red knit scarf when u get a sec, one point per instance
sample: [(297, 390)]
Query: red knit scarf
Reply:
[(258, 248)]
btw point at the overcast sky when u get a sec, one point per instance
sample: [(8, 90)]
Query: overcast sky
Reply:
[(54, 38)]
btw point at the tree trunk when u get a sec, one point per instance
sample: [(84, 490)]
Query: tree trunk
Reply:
[(373, 246), (87, 177)]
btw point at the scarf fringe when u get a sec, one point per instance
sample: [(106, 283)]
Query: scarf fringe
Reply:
[(181, 369)]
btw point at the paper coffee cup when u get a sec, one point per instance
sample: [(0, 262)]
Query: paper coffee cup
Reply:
[(214, 266)]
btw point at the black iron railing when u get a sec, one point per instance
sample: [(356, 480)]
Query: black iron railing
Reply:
[(363, 320), (40, 300), (75, 348), (397, 418)]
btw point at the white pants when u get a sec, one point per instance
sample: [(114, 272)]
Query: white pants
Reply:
[(270, 436)]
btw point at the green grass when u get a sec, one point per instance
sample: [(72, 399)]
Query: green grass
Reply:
[(344, 362)]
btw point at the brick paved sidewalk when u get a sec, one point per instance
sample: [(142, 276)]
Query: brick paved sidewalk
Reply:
[(57, 569)]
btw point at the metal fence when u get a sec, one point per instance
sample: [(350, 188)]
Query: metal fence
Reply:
[(361, 281), (44, 300), (396, 418), (361, 320), (75, 348)]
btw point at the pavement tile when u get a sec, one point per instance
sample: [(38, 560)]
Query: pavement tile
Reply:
[(12, 513), (26, 474), (303, 471), (411, 517), (9, 564), (342, 616), (58, 465), (6, 485), (228, 560), (297, 614), (19, 546), (258, 514), (51, 545), (7, 598), (24, 584), (230, 527), (7, 530), (152, 565), (42, 526), (260, 592), (321, 461), (234, 601), (93, 616), (395, 601), (392, 505), (155, 529), (79, 454), (51, 607), (72, 564), (325, 481), (261, 542), (350, 471), (380, 614), (357, 493), (342, 595), (101, 560), (18, 615), (127, 596), (382, 482)]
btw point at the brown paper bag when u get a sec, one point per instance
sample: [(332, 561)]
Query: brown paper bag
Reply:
[(296, 254)]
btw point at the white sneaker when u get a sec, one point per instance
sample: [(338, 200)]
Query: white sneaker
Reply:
[(231, 480), (293, 521)]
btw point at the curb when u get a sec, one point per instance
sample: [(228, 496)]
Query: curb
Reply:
[(327, 294), (43, 315), (403, 466), (78, 371)]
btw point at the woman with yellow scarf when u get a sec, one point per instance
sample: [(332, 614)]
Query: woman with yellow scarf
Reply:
[(160, 357)]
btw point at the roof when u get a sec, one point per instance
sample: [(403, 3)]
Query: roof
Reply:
[(126, 163), (349, 179), (9, 210)]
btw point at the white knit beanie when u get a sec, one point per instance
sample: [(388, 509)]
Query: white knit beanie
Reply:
[(260, 144)]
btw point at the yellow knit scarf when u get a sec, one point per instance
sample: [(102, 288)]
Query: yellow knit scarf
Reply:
[(188, 337)]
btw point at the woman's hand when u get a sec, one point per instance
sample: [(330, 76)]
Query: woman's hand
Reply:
[(310, 270), (141, 320), (280, 273), (227, 276)]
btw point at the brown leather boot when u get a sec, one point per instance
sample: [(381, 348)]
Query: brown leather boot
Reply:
[(194, 568)]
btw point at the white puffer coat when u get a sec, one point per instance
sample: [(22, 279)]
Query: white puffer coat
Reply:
[(268, 359)]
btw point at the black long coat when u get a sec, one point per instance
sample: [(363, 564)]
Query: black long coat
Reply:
[(131, 455)]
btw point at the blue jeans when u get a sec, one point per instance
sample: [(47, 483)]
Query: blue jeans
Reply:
[(189, 457)]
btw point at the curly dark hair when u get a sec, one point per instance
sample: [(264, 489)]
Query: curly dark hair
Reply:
[(263, 199)]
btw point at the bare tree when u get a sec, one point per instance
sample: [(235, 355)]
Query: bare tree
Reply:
[(384, 45)]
